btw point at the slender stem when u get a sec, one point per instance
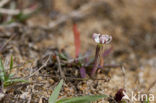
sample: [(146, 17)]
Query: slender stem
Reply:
[(96, 60)]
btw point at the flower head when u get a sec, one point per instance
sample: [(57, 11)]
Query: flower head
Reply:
[(96, 37), (102, 38)]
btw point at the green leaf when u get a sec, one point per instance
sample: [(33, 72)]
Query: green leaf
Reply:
[(10, 81), (1, 65), (22, 17), (63, 56), (11, 63), (56, 92), (2, 71), (82, 99), (147, 101), (16, 80), (9, 22)]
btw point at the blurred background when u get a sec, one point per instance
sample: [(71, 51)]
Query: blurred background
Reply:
[(49, 22)]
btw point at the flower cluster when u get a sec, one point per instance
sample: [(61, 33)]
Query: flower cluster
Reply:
[(102, 38)]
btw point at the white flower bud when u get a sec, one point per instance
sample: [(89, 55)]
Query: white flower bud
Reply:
[(96, 37)]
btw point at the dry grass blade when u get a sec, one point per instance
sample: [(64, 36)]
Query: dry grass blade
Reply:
[(124, 75), (38, 69), (17, 11), (152, 85), (59, 67), (3, 46), (3, 2)]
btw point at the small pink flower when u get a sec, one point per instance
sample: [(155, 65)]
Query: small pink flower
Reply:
[(102, 38), (105, 39)]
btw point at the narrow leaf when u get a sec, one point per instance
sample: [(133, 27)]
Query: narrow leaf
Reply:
[(56, 92), (16, 80), (2, 71), (82, 99), (106, 52), (11, 63), (147, 101), (1, 65), (8, 82)]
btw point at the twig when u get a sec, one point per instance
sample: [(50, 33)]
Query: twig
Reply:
[(78, 79), (7, 42), (151, 86), (17, 86), (124, 75), (9, 11), (17, 11), (85, 79), (45, 64), (77, 59), (59, 67), (3, 2), (76, 14), (110, 66)]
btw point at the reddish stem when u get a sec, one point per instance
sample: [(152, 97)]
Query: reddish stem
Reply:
[(96, 60), (76, 40)]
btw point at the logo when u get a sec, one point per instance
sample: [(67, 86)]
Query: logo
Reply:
[(136, 97)]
